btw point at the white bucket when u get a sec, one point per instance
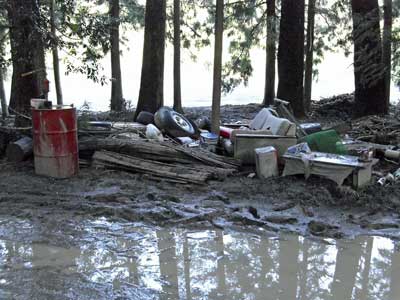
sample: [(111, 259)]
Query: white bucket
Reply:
[(37, 103)]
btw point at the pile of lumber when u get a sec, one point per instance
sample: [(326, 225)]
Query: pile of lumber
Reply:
[(166, 161)]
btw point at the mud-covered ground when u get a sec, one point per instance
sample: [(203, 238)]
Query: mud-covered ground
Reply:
[(315, 207)]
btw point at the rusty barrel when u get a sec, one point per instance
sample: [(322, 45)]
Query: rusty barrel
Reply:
[(55, 142)]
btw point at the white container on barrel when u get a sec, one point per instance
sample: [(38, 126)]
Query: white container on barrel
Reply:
[(266, 162)]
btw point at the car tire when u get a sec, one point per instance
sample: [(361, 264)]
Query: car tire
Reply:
[(173, 123)]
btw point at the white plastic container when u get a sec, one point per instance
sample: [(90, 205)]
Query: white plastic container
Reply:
[(37, 103), (267, 119), (266, 162), (153, 133)]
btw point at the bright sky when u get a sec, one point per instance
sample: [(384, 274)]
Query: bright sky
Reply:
[(336, 77)]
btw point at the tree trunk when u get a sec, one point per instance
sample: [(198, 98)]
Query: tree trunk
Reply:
[(151, 94), (387, 47), (291, 55), (3, 100), (12, 104), (56, 62), (4, 109), (27, 54), (117, 98), (269, 93), (177, 57), (216, 96), (368, 68), (308, 73)]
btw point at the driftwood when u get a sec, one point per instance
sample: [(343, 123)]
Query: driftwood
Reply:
[(377, 129), (19, 150), (162, 152), (175, 172), (137, 148)]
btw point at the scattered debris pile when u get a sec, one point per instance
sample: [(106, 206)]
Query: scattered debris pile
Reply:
[(252, 141)]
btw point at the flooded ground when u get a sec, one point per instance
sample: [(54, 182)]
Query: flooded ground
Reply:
[(114, 235), (102, 259)]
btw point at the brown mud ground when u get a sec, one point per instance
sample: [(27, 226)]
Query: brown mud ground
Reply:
[(316, 207)]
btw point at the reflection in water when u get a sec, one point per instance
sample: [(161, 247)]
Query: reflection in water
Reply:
[(134, 261)]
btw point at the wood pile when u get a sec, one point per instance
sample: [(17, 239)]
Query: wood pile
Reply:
[(376, 129), (160, 161)]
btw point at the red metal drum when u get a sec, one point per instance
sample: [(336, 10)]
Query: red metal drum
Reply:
[(55, 142)]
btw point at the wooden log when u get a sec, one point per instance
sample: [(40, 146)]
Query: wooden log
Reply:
[(137, 148), (128, 163), (161, 152), (19, 150)]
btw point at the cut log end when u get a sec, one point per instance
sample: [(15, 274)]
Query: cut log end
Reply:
[(19, 150)]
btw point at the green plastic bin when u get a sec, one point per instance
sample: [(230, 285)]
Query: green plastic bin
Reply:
[(327, 141)]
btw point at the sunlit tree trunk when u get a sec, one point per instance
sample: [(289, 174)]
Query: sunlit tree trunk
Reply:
[(269, 93), (27, 54), (387, 47), (308, 73), (56, 61), (151, 94), (117, 98), (3, 99), (177, 57), (368, 68), (291, 55), (216, 96), (12, 104), (4, 109)]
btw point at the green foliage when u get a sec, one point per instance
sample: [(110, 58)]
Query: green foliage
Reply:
[(396, 55), (246, 27), (83, 32)]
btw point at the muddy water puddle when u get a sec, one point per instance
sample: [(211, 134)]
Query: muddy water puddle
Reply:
[(100, 259)]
